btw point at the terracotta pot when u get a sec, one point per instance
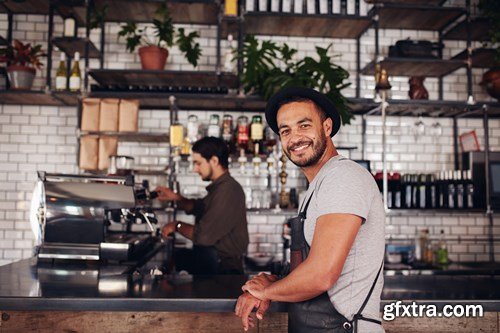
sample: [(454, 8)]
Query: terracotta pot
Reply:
[(21, 77), (491, 81), (153, 57)]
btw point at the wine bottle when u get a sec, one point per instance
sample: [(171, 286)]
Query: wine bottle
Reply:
[(61, 78), (75, 79)]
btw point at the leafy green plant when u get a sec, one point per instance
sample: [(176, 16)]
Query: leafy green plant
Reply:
[(268, 67), (491, 9), (165, 34), (98, 16), (22, 54)]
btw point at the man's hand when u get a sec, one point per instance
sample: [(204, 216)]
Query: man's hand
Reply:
[(244, 307), (168, 229), (258, 284), (166, 194)]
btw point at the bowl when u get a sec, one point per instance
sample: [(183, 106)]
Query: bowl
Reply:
[(261, 259)]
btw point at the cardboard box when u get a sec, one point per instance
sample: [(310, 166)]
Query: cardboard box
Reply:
[(129, 115)]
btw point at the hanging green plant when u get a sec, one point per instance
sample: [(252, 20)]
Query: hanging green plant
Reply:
[(268, 67)]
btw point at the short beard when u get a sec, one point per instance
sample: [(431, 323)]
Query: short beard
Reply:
[(318, 150)]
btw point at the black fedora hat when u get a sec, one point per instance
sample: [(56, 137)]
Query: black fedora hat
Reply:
[(320, 99)]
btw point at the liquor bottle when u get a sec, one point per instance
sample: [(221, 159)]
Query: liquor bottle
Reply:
[(430, 192), (257, 133), (193, 129), (270, 140), (406, 192), (415, 193), (176, 129), (444, 190), (459, 190), (451, 190), (396, 196), (468, 190), (227, 132), (242, 133), (442, 251), (422, 191), (75, 79), (69, 29), (213, 126), (61, 75)]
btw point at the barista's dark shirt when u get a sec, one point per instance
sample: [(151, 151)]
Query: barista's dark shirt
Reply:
[(221, 219)]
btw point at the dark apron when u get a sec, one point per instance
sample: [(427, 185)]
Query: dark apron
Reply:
[(317, 314)]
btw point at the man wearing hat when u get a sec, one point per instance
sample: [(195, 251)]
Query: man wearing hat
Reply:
[(338, 239)]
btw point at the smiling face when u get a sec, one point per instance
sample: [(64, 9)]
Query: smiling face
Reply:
[(304, 132)]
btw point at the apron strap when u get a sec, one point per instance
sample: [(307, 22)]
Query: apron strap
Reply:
[(358, 315)]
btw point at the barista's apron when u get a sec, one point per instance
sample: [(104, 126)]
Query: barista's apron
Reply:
[(317, 314)]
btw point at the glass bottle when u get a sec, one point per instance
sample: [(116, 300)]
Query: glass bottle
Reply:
[(193, 129), (227, 132), (468, 190), (69, 28), (459, 190), (242, 133), (451, 190), (257, 133), (176, 129), (61, 77), (213, 126), (442, 251), (75, 79)]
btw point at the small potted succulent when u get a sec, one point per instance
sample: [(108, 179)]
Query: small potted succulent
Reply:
[(154, 54), (491, 78), (22, 62)]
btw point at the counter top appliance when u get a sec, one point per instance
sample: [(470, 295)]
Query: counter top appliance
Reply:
[(89, 218)]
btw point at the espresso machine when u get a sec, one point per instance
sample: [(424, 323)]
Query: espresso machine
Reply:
[(80, 217)]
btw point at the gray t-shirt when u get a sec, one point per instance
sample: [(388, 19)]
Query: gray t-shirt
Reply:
[(343, 186)]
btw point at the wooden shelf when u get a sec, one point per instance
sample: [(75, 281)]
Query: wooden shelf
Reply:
[(319, 25), (425, 108), (25, 7), (157, 100), (132, 137), (415, 67), (118, 77), (415, 17), (479, 28), (68, 98), (181, 11), (70, 45), (481, 58), (410, 2), (29, 97)]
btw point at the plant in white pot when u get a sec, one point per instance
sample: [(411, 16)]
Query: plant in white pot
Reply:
[(22, 62), (154, 54)]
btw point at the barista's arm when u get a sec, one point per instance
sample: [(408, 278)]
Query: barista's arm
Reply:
[(184, 229), (166, 194), (333, 238)]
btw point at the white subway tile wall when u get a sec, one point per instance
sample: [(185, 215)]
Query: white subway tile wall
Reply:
[(36, 138)]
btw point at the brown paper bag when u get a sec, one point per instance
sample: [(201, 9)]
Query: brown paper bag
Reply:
[(108, 145), (109, 115), (129, 115), (90, 114), (89, 149)]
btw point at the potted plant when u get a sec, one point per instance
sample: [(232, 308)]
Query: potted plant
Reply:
[(22, 62), (154, 54), (268, 67), (491, 78)]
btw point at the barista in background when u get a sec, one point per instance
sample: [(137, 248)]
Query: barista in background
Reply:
[(219, 235)]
